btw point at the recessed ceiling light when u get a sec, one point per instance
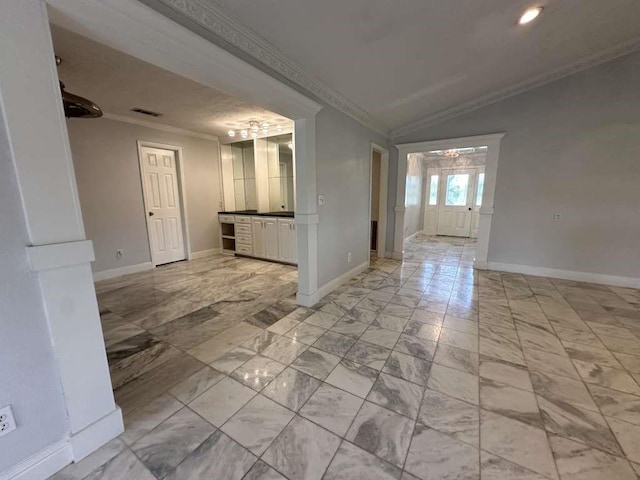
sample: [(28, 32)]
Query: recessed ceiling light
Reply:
[(232, 133), (530, 15)]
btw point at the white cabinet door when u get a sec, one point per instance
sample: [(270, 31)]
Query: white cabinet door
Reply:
[(294, 244), (287, 240), (258, 233), (271, 238)]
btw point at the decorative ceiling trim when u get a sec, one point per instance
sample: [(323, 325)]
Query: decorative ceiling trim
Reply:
[(548, 77), (210, 16)]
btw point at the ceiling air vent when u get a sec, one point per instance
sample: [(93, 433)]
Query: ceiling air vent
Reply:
[(146, 112)]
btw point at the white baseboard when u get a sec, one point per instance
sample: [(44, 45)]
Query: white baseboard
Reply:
[(92, 437), (327, 288), (396, 255), (54, 458), (480, 265), (205, 253), (118, 272), (412, 235), (588, 277), (41, 465), (307, 300)]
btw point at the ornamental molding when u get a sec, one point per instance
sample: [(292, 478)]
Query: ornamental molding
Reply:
[(211, 17), (548, 77)]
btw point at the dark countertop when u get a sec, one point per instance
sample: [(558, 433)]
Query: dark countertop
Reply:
[(255, 213)]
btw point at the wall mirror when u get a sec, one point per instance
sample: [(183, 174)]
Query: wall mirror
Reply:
[(259, 174), (280, 171)]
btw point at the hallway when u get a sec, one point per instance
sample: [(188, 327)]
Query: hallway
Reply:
[(421, 369)]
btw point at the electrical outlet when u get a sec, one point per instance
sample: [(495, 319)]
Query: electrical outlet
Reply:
[(320, 199), (7, 422), (556, 217), (349, 257), (119, 253)]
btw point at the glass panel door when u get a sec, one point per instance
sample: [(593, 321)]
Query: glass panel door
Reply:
[(456, 190)]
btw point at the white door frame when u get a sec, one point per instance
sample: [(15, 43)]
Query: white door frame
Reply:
[(140, 31), (382, 200), (182, 194), (492, 142)]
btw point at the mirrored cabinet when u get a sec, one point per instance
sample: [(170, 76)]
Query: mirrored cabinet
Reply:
[(280, 171), (259, 174), (259, 199)]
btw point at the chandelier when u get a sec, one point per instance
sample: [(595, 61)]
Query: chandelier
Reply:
[(453, 153), (254, 129)]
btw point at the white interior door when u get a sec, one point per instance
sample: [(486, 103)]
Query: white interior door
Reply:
[(271, 238), (456, 202), (163, 207)]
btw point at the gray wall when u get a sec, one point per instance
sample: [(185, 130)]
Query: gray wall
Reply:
[(29, 379), (343, 156), (572, 146), (105, 157)]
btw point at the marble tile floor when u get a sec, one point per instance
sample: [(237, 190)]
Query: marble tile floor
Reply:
[(421, 369)]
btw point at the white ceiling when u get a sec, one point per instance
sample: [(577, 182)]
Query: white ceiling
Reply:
[(118, 82), (404, 60)]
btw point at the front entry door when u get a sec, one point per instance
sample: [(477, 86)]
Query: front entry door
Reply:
[(162, 203), (454, 212)]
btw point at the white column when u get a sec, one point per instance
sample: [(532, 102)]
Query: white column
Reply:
[(59, 254), (306, 210), (398, 237)]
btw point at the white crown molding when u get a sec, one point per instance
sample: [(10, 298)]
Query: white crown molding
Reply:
[(548, 77), (210, 16), (158, 126)]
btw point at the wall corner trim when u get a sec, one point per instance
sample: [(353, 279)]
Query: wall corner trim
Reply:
[(59, 255), (599, 278), (43, 464), (118, 272), (307, 218), (92, 437), (480, 265)]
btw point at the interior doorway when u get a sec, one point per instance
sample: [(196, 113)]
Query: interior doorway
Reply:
[(457, 199), (378, 181), (454, 186)]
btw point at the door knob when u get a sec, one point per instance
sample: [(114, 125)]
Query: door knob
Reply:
[(151, 214), (469, 208)]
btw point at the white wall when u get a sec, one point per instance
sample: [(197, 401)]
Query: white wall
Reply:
[(572, 147), (105, 158), (414, 210), (343, 162), (29, 377)]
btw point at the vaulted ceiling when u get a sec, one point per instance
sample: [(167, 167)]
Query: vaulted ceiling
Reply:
[(404, 61)]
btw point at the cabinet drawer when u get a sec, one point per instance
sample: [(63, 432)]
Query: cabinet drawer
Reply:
[(240, 219), (226, 218), (243, 228), (246, 239), (246, 249)]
